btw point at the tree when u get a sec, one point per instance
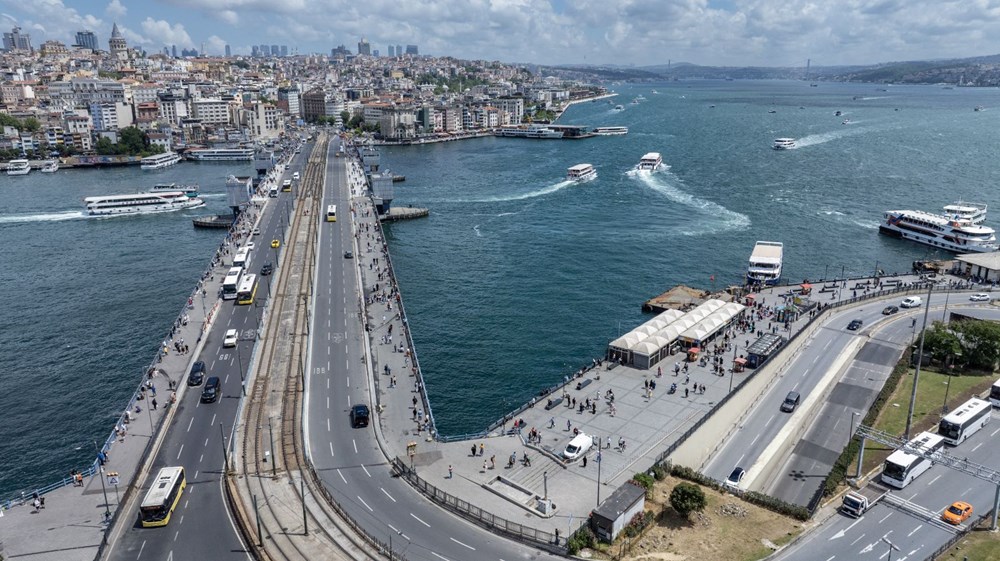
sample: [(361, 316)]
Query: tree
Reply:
[(941, 342), (980, 343), (687, 498), (345, 116), (105, 147), (31, 124), (355, 122)]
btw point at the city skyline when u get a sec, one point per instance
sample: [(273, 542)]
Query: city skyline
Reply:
[(638, 32)]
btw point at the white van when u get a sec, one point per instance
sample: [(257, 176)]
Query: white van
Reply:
[(911, 302), (577, 447), (295, 176)]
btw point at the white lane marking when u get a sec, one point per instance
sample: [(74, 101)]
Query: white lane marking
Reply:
[(857, 540), (884, 517), (206, 442), (994, 433), (771, 418), (931, 482), (366, 470), (401, 533), (387, 494), (327, 402), (348, 381), (915, 530), (364, 503), (328, 380), (831, 558), (341, 475), (355, 442), (440, 556), (977, 446), (176, 534), (328, 424), (462, 544), (201, 458), (191, 422), (226, 381), (179, 452), (754, 441), (140, 549), (213, 419), (419, 520), (196, 472)]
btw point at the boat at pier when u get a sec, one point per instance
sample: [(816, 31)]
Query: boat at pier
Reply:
[(50, 166), (764, 267), (160, 161), (650, 162), (140, 203), (18, 167), (784, 143), (581, 172), (531, 131), (189, 190), (961, 210), (611, 131), (960, 235), (221, 154)]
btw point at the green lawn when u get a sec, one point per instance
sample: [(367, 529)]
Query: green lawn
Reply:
[(927, 409), (980, 545)]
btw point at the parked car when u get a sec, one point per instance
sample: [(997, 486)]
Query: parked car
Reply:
[(359, 416), (854, 325), (256, 231), (958, 512), (250, 246), (980, 297), (577, 447), (230, 339), (889, 310), (734, 479), (197, 375)]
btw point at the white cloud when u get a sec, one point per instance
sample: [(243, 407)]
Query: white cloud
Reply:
[(229, 16), (163, 33), (215, 45), (116, 9)]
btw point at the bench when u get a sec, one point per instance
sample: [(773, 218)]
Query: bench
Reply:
[(553, 403), (583, 383)]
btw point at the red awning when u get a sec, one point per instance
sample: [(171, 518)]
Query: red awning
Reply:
[(740, 360), (806, 286), (751, 296), (694, 350)]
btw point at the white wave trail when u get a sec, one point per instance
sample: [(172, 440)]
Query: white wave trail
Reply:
[(820, 138), (724, 219), (49, 217), (530, 195)]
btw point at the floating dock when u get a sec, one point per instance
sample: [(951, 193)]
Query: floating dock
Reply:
[(682, 298), (221, 221), (404, 213)]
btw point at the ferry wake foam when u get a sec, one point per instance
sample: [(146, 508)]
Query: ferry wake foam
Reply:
[(726, 219), (51, 217), (530, 195), (820, 138)]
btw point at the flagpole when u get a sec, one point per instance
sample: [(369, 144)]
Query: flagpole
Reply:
[(598, 478)]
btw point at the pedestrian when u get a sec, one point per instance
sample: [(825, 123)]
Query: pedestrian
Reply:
[(484, 466), (552, 422), (482, 448), (153, 403), (585, 461), (473, 449), (685, 392), (450, 472), (37, 504), (569, 425), (493, 461)]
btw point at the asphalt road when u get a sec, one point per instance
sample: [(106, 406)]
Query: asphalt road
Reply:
[(201, 526), (349, 460)]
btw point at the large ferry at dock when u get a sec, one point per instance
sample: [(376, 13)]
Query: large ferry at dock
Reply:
[(961, 210), (650, 162), (764, 267), (581, 172), (189, 190), (611, 131), (531, 131), (159, 161), (951, 232), (140, 203), (18, 167), (220, 154)]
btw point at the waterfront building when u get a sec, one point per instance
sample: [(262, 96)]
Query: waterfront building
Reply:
[(17, 41), (86, 40), (511, 108), (264, 121), (397, 123), (172, 107), (110, 115)]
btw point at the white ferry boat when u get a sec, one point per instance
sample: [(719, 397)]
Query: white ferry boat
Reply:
[(50, 166), (531, 131), (940, 231), (611, 131), (140, 203), (189, 190), (784, 143), (18, 167), (159, 161), (619, 108), (650, 162), (581, 172), (764, 267), (961, 210), (221, 154)]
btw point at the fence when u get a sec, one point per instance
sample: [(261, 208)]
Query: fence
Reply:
[(538, 538)]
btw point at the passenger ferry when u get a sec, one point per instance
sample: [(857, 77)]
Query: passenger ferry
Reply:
[(650, 162), (159, 161), (784, 143), (581, 172), (960, 210), (611, 131), (619, 108), (50, 166), (18, 167), (764, 267), (140, 203), (221, 154), (960, 235), (531, 131), (189, 190)]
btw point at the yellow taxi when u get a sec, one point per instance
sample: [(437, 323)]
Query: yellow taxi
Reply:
[(275, 243), (957, 513)]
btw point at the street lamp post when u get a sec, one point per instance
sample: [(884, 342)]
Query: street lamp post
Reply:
[(920, 359), (100, 470), (854, 415), (892, 546), (243, 384)]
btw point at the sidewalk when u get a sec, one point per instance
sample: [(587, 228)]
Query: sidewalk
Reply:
[(71, 526)]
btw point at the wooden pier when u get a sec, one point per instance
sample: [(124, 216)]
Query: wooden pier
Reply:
[(404, 213)]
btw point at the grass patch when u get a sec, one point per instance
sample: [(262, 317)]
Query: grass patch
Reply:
[(728, 530), (978, 545)]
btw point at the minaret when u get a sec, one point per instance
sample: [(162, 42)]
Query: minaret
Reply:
[(117, 44)]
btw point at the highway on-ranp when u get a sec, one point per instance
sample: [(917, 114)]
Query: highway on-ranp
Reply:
[(201, 526), (348, 460)]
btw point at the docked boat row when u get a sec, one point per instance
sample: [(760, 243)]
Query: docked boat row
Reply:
[(959, 229), (18, 167), (160, 161), (220, 154), (531, 131), (141, 203)]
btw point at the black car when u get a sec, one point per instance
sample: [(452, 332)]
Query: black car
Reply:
[(854, 325), (267, 269), (889, 310), (197, 375), (359, 416), (212, 391), (348, 255)]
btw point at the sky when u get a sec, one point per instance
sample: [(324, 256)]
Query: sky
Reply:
[(624, 32)]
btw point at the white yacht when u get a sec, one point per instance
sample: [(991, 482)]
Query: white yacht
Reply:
[(189, 190), (764, 267), (961, 210), (140, 203), (784, 143), (18, 167), (937, 230), (221, 154), (50, 166), (581, 172), (159, 161), (611, 131), (650, 162)]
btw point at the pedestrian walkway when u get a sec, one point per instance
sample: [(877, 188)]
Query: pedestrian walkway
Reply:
[(72, 523)]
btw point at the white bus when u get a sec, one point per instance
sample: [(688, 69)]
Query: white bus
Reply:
[(247, 289), (963, 422), (331, 213), (995, 394), (231, 284), (242, 258), (902, 467), (162, 497), (273, 192)]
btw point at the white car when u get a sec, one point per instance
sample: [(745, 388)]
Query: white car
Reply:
[(577, 447), (230, 339), (256, 232), (980, 297), (251, 245)]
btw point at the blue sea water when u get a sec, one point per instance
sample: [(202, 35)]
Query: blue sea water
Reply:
[(517, 278)]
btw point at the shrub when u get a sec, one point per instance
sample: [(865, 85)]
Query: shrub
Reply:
[(584, 537), (645, 481), (687, 498)]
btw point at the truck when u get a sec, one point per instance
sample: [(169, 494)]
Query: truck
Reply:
[(858, 502)]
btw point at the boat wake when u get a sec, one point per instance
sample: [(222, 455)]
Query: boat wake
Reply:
[(726, 219), (530, 195), (842, 218), (48, 217), (821, 138)]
